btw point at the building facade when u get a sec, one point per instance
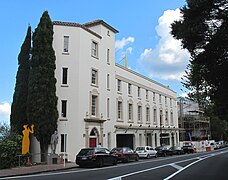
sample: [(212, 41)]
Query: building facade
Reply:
[(100, 101)]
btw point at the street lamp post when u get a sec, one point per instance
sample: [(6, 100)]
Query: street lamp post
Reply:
[(64, 156)]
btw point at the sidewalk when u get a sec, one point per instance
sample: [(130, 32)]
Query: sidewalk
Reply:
[(26, 170)]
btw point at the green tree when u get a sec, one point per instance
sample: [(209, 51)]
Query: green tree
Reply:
[(10, 147), (42, 100), (203, 31), (18, 109)]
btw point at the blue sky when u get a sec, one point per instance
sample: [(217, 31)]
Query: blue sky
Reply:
[(143, 36)]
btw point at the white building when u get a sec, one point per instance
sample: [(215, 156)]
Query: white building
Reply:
[(101, 101)]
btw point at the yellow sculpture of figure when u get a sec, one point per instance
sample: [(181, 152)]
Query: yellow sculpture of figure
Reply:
[(25, 140)]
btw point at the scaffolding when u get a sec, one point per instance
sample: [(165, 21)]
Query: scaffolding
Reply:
[(193, 124)]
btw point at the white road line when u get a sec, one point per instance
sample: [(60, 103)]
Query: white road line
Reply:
[(137, 172), (199, 158), (120, 165), (176, 166), (174, 174)]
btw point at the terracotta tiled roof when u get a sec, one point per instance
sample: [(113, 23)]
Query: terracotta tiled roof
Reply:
[(60, 23), (97, 22)]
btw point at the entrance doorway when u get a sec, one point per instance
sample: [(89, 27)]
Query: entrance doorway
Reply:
[(124, 140), (92, 142), (93, 138), (172, 139)]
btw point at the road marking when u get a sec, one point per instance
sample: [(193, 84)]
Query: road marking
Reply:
[(174, 174), (137, 172), (176, 166), (119, 165), (198, 159)]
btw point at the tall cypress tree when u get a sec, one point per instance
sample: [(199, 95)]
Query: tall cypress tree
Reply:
[(18, 109), (42, 100)]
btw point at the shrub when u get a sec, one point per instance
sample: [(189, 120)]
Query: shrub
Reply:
[(10, 148)]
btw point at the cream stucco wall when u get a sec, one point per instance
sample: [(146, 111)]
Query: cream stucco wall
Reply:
[(78, 122)]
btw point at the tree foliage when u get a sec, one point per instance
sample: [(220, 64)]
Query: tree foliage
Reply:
[(42, 100), (10, 147), (203, 31), (18, 109)]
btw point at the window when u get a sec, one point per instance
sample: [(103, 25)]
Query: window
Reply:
[(94, 79), (108, 84), (147, 114), (166, 118), (63, 142), (64, 76), (129, 88), (165, 100), (154, 96), (108, 56), (159, 98), (139, 113), (94, 49), (108, 107), (171, 103), (130, 112), (64, 108), (94, 105), (120, 109), (161, 123), (118, 85), (139, 91), (171, 118), (155, 116), (66, 44), (147, 94)]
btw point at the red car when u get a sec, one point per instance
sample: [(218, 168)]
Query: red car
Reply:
[(125, 154)]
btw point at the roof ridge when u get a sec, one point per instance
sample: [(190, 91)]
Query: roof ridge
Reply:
[(99, 21), (61, 23)]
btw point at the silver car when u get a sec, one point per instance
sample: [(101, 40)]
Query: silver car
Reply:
[(146, 152)]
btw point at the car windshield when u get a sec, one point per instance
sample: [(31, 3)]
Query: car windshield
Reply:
[(117, 150), (86, 152), (176, 148), (139, 148), (187, 144)]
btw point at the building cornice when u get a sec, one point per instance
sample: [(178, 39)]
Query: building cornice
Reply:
[(98, 22), (145, 128), (60, 23), (144, 77)]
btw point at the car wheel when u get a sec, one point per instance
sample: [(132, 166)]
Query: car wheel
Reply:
[(137, 158), (148, 156), (101, 163), (114, 161), (127, 159)]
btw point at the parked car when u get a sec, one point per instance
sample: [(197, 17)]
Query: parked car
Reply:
[(125, 154), (163, 151), (95, 157), (188, 147), (176, 150), (146, 152)]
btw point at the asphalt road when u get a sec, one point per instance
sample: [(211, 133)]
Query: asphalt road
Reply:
[(209, 165)]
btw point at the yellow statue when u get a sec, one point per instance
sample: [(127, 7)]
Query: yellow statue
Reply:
[(25, 140)]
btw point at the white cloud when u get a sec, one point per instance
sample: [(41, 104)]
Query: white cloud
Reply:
[(129, 50), (5, 111), (168, 60), (120, 44)]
